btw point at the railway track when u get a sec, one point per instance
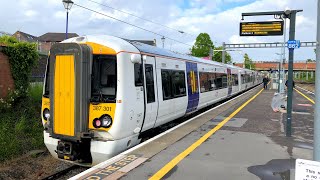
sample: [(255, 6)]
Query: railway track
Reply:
[(65, 173)]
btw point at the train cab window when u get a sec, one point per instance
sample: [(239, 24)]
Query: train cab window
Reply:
[(178, 83), (149, 83), (104, 78), (166, 84), (138, 75), (46, 88)]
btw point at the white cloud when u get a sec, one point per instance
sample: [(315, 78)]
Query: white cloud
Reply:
[(30, 13)]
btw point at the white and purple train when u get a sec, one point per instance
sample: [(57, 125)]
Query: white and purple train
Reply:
[(102, 92)]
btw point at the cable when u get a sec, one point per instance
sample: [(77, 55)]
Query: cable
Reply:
[(182, 32), (132, 24)]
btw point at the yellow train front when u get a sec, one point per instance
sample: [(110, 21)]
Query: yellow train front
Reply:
[(79, 104)]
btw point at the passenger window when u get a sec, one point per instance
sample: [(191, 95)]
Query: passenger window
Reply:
[(224, 81), (138, 75), (178, 83), (149, 83), (166, 84), (218, 80)]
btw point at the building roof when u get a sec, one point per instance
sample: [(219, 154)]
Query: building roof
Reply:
[(2, 33), (260, 65), (56, 37), (22, 35)]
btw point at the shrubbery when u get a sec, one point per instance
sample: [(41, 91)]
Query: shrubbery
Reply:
[(20, 120)]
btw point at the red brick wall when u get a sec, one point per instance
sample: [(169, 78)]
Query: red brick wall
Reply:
[(6, 80)]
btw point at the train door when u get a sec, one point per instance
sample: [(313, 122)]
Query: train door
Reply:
[(193, 90), (151, 92), (229, 76)]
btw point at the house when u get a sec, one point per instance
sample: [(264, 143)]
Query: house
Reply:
[(22, 36), (48, 39)]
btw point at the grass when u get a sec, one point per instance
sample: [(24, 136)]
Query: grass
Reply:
[(20, 126)]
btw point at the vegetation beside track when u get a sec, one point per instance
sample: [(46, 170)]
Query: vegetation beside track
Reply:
[(20, 120), (20, 124)]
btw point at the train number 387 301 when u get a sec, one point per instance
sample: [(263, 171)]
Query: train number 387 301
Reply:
[(101, 108)]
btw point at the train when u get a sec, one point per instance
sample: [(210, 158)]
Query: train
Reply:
[(102, 93)]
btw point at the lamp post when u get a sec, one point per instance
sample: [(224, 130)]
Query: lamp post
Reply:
[(280, 69), (67, 5), (162, 39)]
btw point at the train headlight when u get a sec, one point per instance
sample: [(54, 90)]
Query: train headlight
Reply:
[(46, 114), (96, 123), (106, 121)]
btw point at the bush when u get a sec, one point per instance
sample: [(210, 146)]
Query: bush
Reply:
[(23, 56), (20, 125), (20, 121)]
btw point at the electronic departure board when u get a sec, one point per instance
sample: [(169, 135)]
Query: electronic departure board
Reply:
[(265, 28)]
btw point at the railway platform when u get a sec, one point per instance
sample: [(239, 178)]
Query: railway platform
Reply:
[(242, 138)]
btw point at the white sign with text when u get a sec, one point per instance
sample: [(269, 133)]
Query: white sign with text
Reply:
[(307, 170)]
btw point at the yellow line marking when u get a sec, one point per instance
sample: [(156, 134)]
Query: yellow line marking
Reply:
[(304, 96), (164, 170)]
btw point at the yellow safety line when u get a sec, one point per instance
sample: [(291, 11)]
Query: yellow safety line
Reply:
[(304, 96), (164, 170)]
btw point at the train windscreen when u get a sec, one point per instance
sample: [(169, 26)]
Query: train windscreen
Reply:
[(104, 78)]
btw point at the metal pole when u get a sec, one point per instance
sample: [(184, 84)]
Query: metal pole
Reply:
[(223, 52), (290, 73), (316, 125), (283, 55), (279, 84), (67, 25)]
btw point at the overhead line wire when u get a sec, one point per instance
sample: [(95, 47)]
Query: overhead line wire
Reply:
[(180, 31), (131, 24)]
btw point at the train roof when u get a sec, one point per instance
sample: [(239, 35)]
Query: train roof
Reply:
[(121, 44)]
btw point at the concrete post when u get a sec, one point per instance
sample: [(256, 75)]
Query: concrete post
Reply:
[(316, 126), (307, 78), (223, 52)]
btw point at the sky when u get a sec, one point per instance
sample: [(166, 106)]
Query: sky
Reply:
[(219, 18)]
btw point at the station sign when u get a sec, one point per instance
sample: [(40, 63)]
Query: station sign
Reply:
[(293, 44), (307, 170), (264, 28)]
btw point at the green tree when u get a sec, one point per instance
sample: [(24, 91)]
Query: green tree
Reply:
[(248, 63), (310, 60), (218, 56), (201, 47)]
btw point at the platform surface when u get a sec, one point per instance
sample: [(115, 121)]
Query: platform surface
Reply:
[(251, 145)]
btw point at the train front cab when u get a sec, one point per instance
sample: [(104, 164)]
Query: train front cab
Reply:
[(79, 104)]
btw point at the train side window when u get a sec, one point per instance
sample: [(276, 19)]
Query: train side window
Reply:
[(149, 83), (235, 78), (178, 83), (243, 79), (218, 80), (211, 78), (166, 84), (204, 85), (224, 81), (138, 75)]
